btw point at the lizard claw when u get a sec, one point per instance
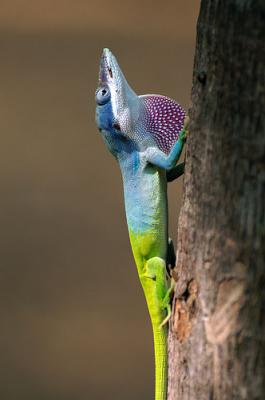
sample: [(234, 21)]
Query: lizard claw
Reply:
[(165, 321)]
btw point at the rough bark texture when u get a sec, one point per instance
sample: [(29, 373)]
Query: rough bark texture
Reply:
[(217, 333)]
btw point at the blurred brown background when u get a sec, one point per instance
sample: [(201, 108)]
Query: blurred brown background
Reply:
[(74, 325)]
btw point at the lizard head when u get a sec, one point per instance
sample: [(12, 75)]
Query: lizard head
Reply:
[(129, 122), (116, 103)]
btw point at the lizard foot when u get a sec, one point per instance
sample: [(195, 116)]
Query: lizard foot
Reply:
[(167, 303)]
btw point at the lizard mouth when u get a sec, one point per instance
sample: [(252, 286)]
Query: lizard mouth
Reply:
[(106, 69)]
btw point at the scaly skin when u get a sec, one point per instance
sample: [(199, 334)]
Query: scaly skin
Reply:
[(147, 156)]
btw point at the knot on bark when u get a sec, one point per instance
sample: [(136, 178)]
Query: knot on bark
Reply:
[(184, 312)]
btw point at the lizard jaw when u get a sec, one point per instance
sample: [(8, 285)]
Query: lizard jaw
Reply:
[(124, 100)]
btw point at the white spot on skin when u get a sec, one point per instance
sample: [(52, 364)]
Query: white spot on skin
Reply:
[(165, 120)]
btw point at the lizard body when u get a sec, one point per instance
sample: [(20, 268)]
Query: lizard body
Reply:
[(146, 135)]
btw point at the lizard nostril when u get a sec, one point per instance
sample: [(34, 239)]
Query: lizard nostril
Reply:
[(110, 72)]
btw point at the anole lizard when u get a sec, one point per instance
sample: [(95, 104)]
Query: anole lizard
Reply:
[(146, 135)]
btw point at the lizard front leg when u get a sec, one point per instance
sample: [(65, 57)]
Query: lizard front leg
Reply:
[(158, 158)]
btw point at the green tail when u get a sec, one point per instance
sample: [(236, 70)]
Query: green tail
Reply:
[(160, 346)]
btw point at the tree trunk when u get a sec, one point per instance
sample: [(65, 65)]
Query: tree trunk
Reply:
[(217, 335)]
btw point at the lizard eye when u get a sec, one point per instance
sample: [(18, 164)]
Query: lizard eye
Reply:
[(102, 95)]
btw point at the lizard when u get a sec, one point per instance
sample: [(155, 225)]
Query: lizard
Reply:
[(146, 135)]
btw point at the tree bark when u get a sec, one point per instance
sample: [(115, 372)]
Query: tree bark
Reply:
[(217, 332)]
